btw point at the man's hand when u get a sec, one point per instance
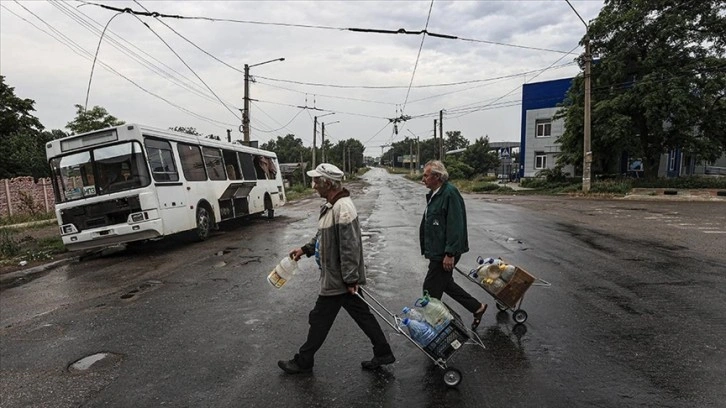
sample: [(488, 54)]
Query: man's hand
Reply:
[(353, 289), (448, 263), (296, 254)]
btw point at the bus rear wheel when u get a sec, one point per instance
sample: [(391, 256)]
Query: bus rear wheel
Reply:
[(204, 224), (269, 210)]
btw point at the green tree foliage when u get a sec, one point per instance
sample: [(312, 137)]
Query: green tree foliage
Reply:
[(15, 113), (658, 85), (22, 139), (89, 120), (480, 157), (353, 151), (454, 140), (289, 149), (186, 129)]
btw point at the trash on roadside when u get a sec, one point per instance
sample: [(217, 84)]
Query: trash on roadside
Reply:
[(23, 263)]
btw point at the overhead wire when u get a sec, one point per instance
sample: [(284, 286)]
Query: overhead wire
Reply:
[(80, 51), (418, 56)]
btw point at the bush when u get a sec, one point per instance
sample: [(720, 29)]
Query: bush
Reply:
[(8, 246), (485, 187)]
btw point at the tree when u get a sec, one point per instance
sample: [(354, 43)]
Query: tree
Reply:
[(22, 140), (659, 84), (454, 141), (186, 129), (480, 157), (289, 149), (89, 120), (15, 113)]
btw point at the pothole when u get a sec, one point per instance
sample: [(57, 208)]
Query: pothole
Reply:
[(95, 362), (142, 287)]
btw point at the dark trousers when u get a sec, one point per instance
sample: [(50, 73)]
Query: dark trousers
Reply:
[(439, 281), (321, 320)]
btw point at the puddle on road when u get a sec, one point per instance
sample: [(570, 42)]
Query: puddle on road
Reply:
[(95, 361)]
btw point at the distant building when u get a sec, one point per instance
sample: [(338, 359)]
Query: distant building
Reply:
[(538, 147)]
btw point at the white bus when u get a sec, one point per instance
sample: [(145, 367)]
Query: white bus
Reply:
[(134, 182)]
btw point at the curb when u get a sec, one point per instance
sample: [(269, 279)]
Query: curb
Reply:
[(12, 276), (693, 194)]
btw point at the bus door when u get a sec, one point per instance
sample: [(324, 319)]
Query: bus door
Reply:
[(170, 190)]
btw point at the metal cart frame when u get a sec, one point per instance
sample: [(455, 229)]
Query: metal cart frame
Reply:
[(442, 347), (511, 296)]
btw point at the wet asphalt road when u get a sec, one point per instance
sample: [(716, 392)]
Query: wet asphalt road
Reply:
[(635, 314)]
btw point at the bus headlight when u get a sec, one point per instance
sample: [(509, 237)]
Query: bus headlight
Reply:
[(137, 217), (68, 229)]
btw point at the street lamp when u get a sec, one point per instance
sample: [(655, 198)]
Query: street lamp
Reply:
[(315, 133), (246, 111), (322, 139)]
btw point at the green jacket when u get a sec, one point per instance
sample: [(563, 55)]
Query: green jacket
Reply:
[(443, 226)]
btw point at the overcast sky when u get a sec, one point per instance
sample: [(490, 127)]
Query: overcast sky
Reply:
[(189, 72)]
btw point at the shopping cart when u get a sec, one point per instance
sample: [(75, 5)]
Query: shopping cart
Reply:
[(511, 295), (441, 348)]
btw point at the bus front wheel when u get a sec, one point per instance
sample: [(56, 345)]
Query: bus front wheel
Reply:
[(204, 223)]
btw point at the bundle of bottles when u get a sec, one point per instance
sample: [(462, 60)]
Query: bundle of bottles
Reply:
[(493, 273), (426, 320)]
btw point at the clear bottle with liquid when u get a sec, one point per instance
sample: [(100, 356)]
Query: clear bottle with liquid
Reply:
[(413, 314), (434, 311), (420, 332), (283, 272)]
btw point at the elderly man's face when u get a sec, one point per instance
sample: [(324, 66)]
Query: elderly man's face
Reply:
[(321, 185), (431, 180)]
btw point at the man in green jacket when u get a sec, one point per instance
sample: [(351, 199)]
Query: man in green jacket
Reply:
[(443, 238)]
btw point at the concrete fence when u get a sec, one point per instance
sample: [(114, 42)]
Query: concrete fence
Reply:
[(23, 195)]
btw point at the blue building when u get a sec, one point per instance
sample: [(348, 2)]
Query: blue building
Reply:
[(538, 146)]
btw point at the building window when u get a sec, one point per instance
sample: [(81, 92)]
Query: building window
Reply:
[(540, 161), (672, 160), (544, 128)]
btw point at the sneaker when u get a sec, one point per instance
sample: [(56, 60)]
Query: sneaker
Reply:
[(291, 367), (377, 361)]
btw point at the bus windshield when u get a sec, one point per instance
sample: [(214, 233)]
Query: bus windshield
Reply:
[(100, 171)]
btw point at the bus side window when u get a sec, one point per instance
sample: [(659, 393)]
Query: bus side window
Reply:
[(248, 167), (191, 162), (232, 165), (161, 160), (213, 162)]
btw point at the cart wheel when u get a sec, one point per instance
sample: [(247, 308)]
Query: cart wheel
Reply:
[(519, 316), (452, 377), (501, 306)]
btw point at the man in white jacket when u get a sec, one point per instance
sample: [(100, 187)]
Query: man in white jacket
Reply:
[(338, 250)]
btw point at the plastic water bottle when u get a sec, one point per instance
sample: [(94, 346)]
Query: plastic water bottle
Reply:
[(413, 314), (435, 311), (420, 332), (283, 272)]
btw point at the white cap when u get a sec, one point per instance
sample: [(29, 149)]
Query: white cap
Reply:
[(328, 171)]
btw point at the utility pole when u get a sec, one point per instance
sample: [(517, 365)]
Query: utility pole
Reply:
[(410, 156), (436, 145), (246, 111), (587, 152), (441, 133), (315, 134), (343, 158), (322, 142)]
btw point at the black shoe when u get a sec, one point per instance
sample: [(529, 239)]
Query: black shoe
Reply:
[(291, 367), (377, 362)]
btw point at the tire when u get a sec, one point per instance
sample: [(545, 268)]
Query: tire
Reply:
[(519, 316), (204, 224), (452, 377), (269, 210)]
